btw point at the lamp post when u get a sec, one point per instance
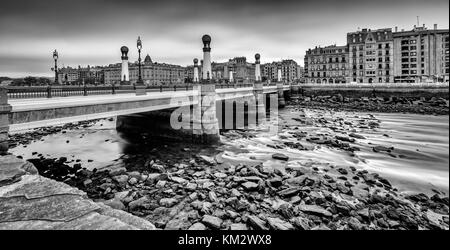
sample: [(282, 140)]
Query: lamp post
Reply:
[(139, 47), (140, 87), (55, 57)]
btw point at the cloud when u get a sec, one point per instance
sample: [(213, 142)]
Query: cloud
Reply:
[(92, 31)]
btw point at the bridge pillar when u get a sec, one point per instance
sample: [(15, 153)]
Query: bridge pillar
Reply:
[(281, 101), (5, 110), (205, 122), (259, 93)]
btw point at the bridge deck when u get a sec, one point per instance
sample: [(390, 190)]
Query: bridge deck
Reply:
[(41, 112)]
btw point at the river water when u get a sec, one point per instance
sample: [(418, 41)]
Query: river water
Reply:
[(418, 163)]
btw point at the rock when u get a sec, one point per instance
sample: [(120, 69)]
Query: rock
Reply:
[(160, 184), (115, 203), (286, 210), (117, 171), (355, 224), (121, 179), (344, 138), (208, 159), (276, 182), (168, 202), (256, 223), (178, 180), (158, 168), (121, 195), (364, 213), (314, 209), (220, 175), (152, 178), (342, 171), (281, 157), (212, 196), (180, 222), (238, 226), (212, 221), (301, 223), (288, 192), (279, 224), (135, 174), (208, 185), (250, 186), (235, 193), (139, 203), (132, 181), (197, 226), (357, 136), (191, 186), (87, 182)]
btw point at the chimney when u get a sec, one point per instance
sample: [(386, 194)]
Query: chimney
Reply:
[(396, 29), (435, 26)]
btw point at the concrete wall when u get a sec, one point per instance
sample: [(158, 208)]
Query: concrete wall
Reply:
[(5, 109)]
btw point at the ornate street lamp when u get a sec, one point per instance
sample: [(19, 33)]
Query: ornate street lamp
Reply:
[(55, 57), (139, 47)]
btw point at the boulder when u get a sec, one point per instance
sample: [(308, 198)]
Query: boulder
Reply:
[(314, 209), (212, 221), (279, 224)]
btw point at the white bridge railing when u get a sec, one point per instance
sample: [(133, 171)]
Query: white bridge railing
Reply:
[(376, 85)]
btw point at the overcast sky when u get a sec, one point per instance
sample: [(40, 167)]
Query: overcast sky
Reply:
[(92, 31)]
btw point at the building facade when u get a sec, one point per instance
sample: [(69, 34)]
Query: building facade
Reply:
[(382, 56), (327, 65), (371, 56), (81, 75), (421, 55), (153, 73), (290, 71)]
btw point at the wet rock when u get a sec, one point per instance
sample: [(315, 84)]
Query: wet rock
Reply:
[(212, 221), (301, 223), (279, 224), (180, 222), (220, 175), (281, 157), (117, 171), (168, 202), (191, 186), (342, 171), (115, 203), (357, 136), (288, 192), (142, 202), (178, 180), (250, 186), (132, 181), (276, 182), (197, 226), (212, 196), (314, 209), (208, 159), (121, 179), (256, 223), (355, 224), (238, 226), (157, 168)]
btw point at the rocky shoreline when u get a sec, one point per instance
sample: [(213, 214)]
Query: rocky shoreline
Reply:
[(207, 194), (186, 187), (393, 104)]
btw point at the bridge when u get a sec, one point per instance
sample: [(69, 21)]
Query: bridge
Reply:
[(21, 109)]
